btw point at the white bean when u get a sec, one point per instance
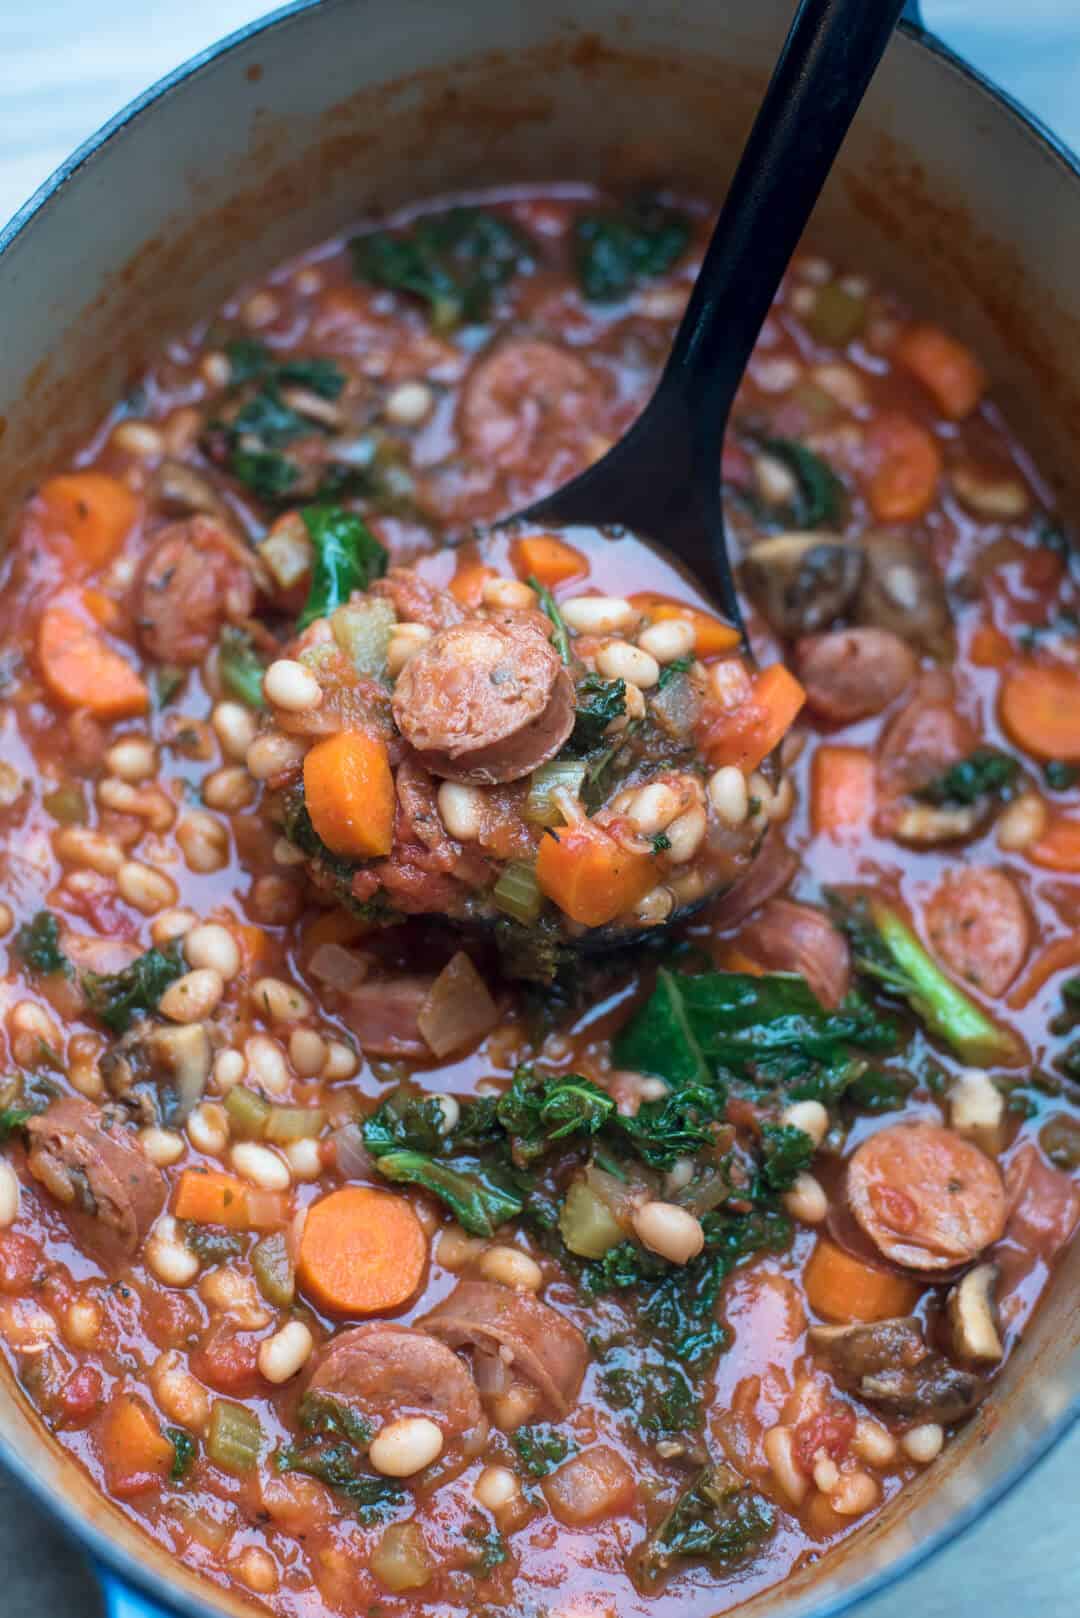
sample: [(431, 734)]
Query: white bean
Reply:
[(132, 759), (261, 1166), (341, 1061), (496, 1487), (266, 1061), (229, 789), (652, 807), (669, 1230), (509, 593), (728, 794), (405, 642), (280, 1001), (168, 1257), (618, 660), (281, 1356), (194, 996), (409, 404), (598, 615), (923, 1444), (779, 1447), (181, 1396), (307, 1052), (204, 842), (668, 640), (9, 1194), (873, 1443), (148, 890), (686, 835), (655, 907), (228, 1070), (854, 1494), (305, 1159), (273, 753), (172, 924), (511, 1268), (288, 684), (461, 810), (212, 945), (1022, 822), (809, 1116), (161, 1146), (405, 1446), (208, 1128), (90, 849), (236, 728), (806, 1201)]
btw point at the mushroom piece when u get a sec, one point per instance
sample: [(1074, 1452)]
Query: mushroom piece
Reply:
[(977, 1110), (903, 591), (183, 492), (971, 1315), (159, 1071), (802, 582), (888, 1364)]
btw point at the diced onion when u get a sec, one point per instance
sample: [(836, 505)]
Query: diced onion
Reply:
[(337, 966), (458, 1009), (363, 630)]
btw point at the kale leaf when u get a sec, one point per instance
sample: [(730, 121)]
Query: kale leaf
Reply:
[(338, 1465), (320, 1413), (560, 637), (674, 671), (119, 997), (719, 1518), (536, 1111), (983, 773), (347, 557), (616, 249), (184, 1450), (479, 1204), (540, 1449), (820, 498), (597, 704), (37, 944), (240, 667), (251, 361), (787, 1153), (453, 261), (13, 1120), (335, 870), (406, 1136)]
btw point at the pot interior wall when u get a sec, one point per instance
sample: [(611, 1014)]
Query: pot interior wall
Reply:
[(345, 109)]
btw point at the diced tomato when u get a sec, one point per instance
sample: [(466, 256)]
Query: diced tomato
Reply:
[(832, 1430), (227, 1363), (20, 1259), (80, 1396)]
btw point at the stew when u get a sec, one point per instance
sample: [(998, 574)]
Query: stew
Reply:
[(510, 1104)]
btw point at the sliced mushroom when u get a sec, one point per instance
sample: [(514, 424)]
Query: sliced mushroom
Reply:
[(888, 1364), (903, 591), (159, 1071), (977, 1110), (972, 1316), (802, 582), (924, 825), (183, 492)]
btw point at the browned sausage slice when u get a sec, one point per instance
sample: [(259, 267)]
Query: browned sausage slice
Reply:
[(979, 926), (790, 937), (485, 702), (416, 601), (853, 673), (524, 401), (196, 578), (926, 1198), (383, 1016), (529, 1336), (383, 1371), (96, 1169)]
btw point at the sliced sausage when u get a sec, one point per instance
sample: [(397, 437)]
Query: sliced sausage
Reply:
[(383, 1371), (383, 1016), (527, 1335), (96, 1169), (926, 1198), (979, 927), (416, 601), (1044, 1204), (853, 673), (773, 869), (524, 401), (923, 740), (790, 937), (196, 578), (485, 702)]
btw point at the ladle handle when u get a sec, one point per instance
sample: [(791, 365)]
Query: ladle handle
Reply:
[(828, 60)]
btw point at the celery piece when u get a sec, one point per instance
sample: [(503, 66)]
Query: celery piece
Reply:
[(517, 893), (286, 1124), (248, 1112), (234, 1437), (273, 1269), (564, 775)]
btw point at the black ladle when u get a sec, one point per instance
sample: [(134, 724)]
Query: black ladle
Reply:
[(661, 480)]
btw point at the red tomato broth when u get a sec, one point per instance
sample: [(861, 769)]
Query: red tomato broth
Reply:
[(317, 1554)]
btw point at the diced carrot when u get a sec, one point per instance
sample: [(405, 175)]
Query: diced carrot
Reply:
[(841, 791), (467, 584), (904, 466), (349, 792), (362, 1251), (212, 1197), (1039, 705), (590, 876), (136, 1453), (550, 560), (946, 368), (1058, 848), (714, 637), (82, 670), (102, 608), (95, 511), (749, 733), (1063, 955), (843, 1288), (732, 959), (989, 648), (253, 942)]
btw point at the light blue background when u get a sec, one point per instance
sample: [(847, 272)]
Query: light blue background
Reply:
[(65, 67)]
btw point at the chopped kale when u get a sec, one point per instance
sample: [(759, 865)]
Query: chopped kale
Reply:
[(478, 1203), (240, 667), (453, 261), (658, 1398), (787, 1154), (616, 249), (598, 703), (982, 774), (535, 1112), (336, 871), (340, 1467), (184, 1450), (347, 557), (490, 1548), (406, 1122), (560, 637), (820, 496), (119, 997), (211, 1243), (719, 1519), (674, 671), (266, 472), (660, 841), (1060, 776), (880, 1089), (887, 951), (37, 944), (13, 1120), (168, 682), (251, 361), (537, 954), (541, 1449), (320, 1413)]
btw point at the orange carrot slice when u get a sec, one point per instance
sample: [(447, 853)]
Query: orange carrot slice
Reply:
[(590, 876), (1058, 849), (841, 791), (136, 1453), (549, 560), (95, 511), (82, 670), (945, 367), (843, 1288), (349, 791), (467, 584), (1039, 705), (212, 1197), (362, 1251), (749, 733), (904, 468)]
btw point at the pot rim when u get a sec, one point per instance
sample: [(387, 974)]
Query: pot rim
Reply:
[(120, 1569)]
